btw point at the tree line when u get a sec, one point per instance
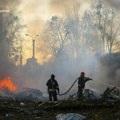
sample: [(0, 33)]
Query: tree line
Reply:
[(74, 35)]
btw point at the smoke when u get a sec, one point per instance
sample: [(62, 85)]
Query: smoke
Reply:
[(34, 14), (114, 3), (60, 6), (9, 4), (107, 72)]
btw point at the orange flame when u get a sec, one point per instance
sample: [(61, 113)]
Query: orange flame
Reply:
[(7, 83)]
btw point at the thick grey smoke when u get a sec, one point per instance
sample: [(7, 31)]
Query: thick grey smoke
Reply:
[(107, 72), (114, 3)]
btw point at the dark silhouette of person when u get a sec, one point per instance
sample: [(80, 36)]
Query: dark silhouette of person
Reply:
[(53, 89), (81, 84)]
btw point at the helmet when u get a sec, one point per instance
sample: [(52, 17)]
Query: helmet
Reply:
[(52, 76), (82, 74)]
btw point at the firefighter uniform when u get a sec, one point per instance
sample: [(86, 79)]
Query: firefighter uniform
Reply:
[(53, 88), (81, 84)]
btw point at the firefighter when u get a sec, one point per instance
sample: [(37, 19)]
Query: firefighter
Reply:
[(53, 89), (81, 84)]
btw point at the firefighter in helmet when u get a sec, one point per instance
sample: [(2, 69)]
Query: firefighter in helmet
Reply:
[(81, 84), (53, 88)]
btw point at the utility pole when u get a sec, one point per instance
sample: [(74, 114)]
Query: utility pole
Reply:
[(33, 48), (33, 44)]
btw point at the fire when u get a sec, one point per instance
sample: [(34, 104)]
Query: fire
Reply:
[(7, 83)]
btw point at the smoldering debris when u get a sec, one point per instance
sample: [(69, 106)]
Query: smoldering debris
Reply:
[(24, 94)]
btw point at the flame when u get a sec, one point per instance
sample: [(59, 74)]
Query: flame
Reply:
[(7, 83)]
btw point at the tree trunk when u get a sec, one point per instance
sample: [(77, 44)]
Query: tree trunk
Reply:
[(110, 49)]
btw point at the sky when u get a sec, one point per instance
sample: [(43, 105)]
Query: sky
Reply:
[(37, 12)]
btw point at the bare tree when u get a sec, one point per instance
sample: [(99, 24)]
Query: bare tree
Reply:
[(57, 36), (11, 30), (89, 41), (81, 32), (74, 25), (107, 24)]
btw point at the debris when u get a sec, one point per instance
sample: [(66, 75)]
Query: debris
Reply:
[(70, 116), (37, 112), (41, 104), (26, 112), (117, 114), (22, 104), (89, 94), (37, 117), (9, 115), (107, 92), (111, 93), (109, 108)]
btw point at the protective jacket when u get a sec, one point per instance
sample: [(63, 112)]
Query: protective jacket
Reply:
[(82, 81), (52, 85)]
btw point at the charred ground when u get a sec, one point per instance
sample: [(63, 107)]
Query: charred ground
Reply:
[(31, 110)]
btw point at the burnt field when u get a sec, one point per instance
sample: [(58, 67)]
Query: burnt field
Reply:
[(37, 110)]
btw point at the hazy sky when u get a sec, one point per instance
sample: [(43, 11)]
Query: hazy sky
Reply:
[(36, 12)]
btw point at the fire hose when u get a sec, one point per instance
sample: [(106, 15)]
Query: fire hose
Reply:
[(68, 89), (76, 93)]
